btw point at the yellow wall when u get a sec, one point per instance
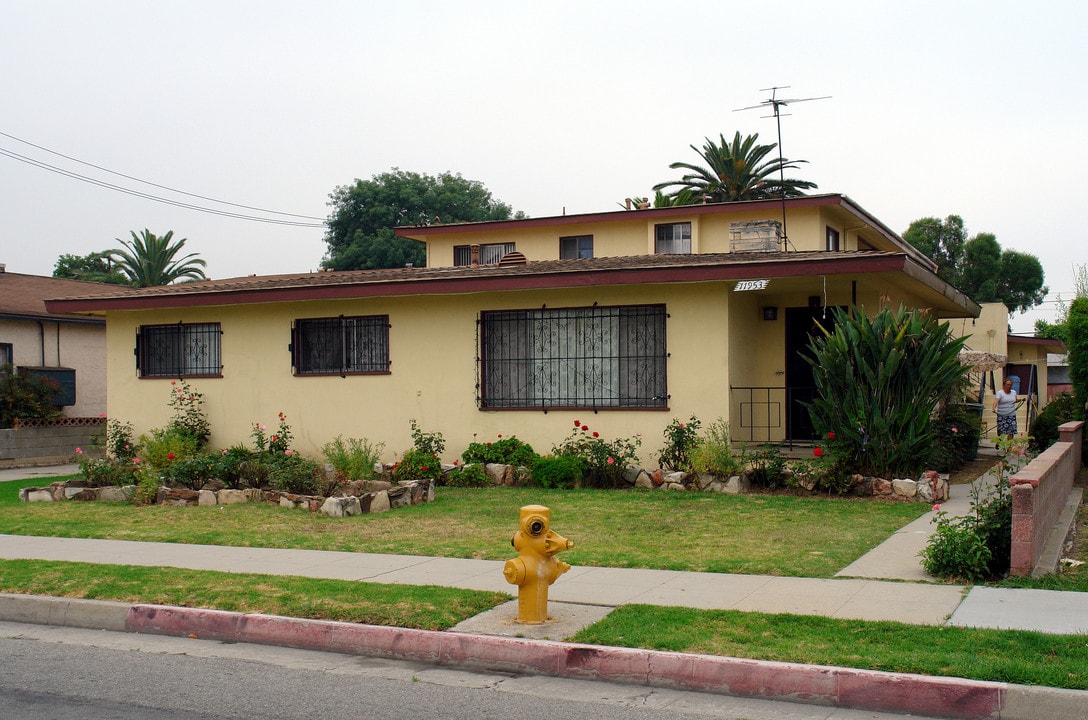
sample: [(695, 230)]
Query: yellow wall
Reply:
[(433, 349)]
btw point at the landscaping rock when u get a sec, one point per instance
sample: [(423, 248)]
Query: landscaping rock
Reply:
[(737, 485), (340, 506), (643, 480), (112, 493), (674, 486), (206, 497), (496, 472), (904, 487), (35, 495), (631, 475), (657, 477), (881, 487), (399, 497), (379, 502), (675, 478), (232, 497)]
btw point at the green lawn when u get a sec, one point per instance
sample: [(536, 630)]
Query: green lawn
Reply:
[(751, 534)]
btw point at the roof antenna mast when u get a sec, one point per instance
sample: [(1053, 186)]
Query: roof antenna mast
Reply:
[(776, 104)]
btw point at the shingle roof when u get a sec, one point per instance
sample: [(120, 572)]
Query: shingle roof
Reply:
[(24, 296), (534, 274)]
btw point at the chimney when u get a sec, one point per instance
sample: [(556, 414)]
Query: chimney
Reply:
[(475, 255)]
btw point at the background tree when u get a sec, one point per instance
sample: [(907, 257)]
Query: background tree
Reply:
[(149, 259), (94, 267), (1076, 341), (740, 170), (979, 267), (360, 234), (1056, 329)]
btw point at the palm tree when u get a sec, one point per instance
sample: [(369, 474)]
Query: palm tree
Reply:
[(740, 170), (148, 260)]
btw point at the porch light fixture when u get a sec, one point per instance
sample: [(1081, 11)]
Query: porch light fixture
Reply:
[(770, 313)]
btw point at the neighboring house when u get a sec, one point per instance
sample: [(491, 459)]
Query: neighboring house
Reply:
[(622, 320), (1057, 376), (1021, 357), (67, 347)]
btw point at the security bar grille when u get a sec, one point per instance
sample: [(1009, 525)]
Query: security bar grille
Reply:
[(180, 350), (596, 357), (341, 345)]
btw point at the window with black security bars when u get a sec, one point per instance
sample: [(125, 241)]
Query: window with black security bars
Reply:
[(595, 357), (341, 345), (179, 350)]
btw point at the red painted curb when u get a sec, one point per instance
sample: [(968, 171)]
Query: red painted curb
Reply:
[(794, 682)]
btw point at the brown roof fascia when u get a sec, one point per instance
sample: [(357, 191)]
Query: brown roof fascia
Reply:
[(480, 280), (927, 277), (1032, 340)]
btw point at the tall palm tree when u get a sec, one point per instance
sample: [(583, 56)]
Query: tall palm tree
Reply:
[(149, 259), (740, 170)]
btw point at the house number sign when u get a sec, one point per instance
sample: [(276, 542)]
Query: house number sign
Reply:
[(751, 285)]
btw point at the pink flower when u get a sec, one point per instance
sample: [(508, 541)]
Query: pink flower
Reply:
[(287, 451), (681, 426), (79, 451), (937, 507), (830, 434), (818, 451), (224, 452), (173, 382), (136, 461), (611, 461), (101, 415), (955, 430)]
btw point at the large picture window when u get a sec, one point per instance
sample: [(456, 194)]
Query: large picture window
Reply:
[(179, 350), (596, 357), (341, 345)]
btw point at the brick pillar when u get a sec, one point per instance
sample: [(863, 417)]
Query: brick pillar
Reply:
[(1022, 560)]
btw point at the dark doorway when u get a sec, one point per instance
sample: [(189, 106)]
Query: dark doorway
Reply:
[(800, 384)]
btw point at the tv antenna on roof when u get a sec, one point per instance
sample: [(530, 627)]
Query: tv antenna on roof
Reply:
[(776, 104)]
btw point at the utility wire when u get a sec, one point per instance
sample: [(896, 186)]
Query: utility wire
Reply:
[(84, 178)]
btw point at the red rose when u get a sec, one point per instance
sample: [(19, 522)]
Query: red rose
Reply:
[(170, 456), (585, 427), (596, 434), (577, 423), (818, 451), (830, 435)]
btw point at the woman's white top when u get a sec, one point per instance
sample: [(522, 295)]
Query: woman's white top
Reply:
[(1006, 402)]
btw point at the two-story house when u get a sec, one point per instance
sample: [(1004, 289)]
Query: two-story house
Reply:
[(622, 320)]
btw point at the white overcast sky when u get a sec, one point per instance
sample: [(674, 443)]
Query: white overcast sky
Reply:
[(972, 108)]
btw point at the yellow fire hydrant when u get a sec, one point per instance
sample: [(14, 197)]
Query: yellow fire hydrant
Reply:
[(535, 568)]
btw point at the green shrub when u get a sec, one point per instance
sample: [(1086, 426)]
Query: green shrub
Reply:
[(165, 446), (25, 395), (713, 454), (505, 451), (1044, 431), (956, 550), (956, 430), (231, 464), (560, 472), (417, 464), (877, 384), (192, 472), (119, 442), (292, 473), (103, 472), (766, 466), (189, 418), (427, 443), (681, 440), (604, 461), (354, 458), (467, 476)]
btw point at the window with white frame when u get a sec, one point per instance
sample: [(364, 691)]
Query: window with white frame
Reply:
[(179, 350), (490, 254), (595, 357), (576, 246), (672, 239), (341, 345)]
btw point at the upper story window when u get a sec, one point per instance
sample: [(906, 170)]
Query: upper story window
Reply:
[(672, 239), (179, 350), (341, 345), (490, 254), (595, 357), (832, 243), (576, 246)]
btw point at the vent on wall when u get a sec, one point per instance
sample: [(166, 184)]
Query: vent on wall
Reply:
[(757, 236), (512, 258)]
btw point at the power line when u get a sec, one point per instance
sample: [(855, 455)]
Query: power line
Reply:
[(156, 198)]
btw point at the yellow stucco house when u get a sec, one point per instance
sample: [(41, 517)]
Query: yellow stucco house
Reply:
[(622, 320)]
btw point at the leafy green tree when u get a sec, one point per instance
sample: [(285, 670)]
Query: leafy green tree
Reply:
[(1076, 341), (360, 228), (149, 259), (94, 267), (740, 170), (979, 267), (878, 382)]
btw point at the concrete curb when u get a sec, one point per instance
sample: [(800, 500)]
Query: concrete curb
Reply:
[(811, 684)]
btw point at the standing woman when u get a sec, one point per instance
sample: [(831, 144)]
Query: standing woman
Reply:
[(1005, 409)]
